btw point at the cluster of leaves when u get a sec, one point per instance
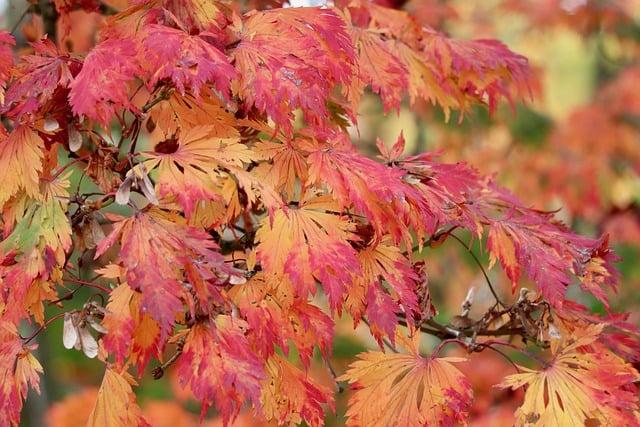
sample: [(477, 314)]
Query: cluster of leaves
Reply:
[(224, 136)]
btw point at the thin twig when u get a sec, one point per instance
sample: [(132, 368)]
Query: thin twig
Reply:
[(42, 327), (158, 371), (484, 272), (22, 16), (89, 284)]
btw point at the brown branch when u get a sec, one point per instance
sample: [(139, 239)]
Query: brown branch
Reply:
[(158, 371)]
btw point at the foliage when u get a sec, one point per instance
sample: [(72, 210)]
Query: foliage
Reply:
[(246, 221)]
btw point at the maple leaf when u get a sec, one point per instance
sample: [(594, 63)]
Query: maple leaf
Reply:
[(199, 15), (119, 323), (292, 58), (583, 383), (189, 61), (19, 370), (450, 193), (6, 60), (116, 403), (409, 389), (37, 77), (452, 73), (524, 239), (307, 243), (183, 112), (285, 158), (20, 162), (155, 249), (36, 246), (377, 67), (219, 367), (383, 263), (264, 302), (186, 165), (100, 88), (373, 189), (479, 68), (289, 396)]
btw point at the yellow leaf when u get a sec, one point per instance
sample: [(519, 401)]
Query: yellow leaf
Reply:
[(584, 382), (289, 396), (20, 163), (406, 390), (116, 405)]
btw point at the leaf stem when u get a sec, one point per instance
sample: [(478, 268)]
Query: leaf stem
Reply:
[(479, 264)]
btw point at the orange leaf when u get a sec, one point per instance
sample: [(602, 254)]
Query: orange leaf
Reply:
[(408, 390), (116, 403), (20, 162), (583, 383), (289, 396)]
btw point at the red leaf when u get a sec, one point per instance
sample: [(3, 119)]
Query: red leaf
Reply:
[(18, 370), (155, 250), (6, 60), (292, 58), (37, 77), (101, 87), (220, 368), (189, 61)]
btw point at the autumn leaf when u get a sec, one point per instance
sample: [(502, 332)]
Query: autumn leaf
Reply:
[(37, 77), (378, 67), (19, 370), (388, 281), (289, 396), (116, 403), (530, 241), (100, 88), (6, 60), (219, 367), (184, 112), (409, 389), (33, 250), (501, 247), (189, 61), (308, 243), (479, 68), (187, 164), (20, 162), (264, 302), (292, 58), (155, 250), (119, 323), (372, 189), (583, 383)]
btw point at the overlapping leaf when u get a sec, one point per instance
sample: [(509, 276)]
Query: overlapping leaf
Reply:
[(583, 383), (292, 58), (186, 164), (189, 61), (6, 60), (155, 251), (20, 162), (289, 396), (307, 243), (266, 302), (19, 370), (409, 390), (36, 78), (220, 368), (101, 86)]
